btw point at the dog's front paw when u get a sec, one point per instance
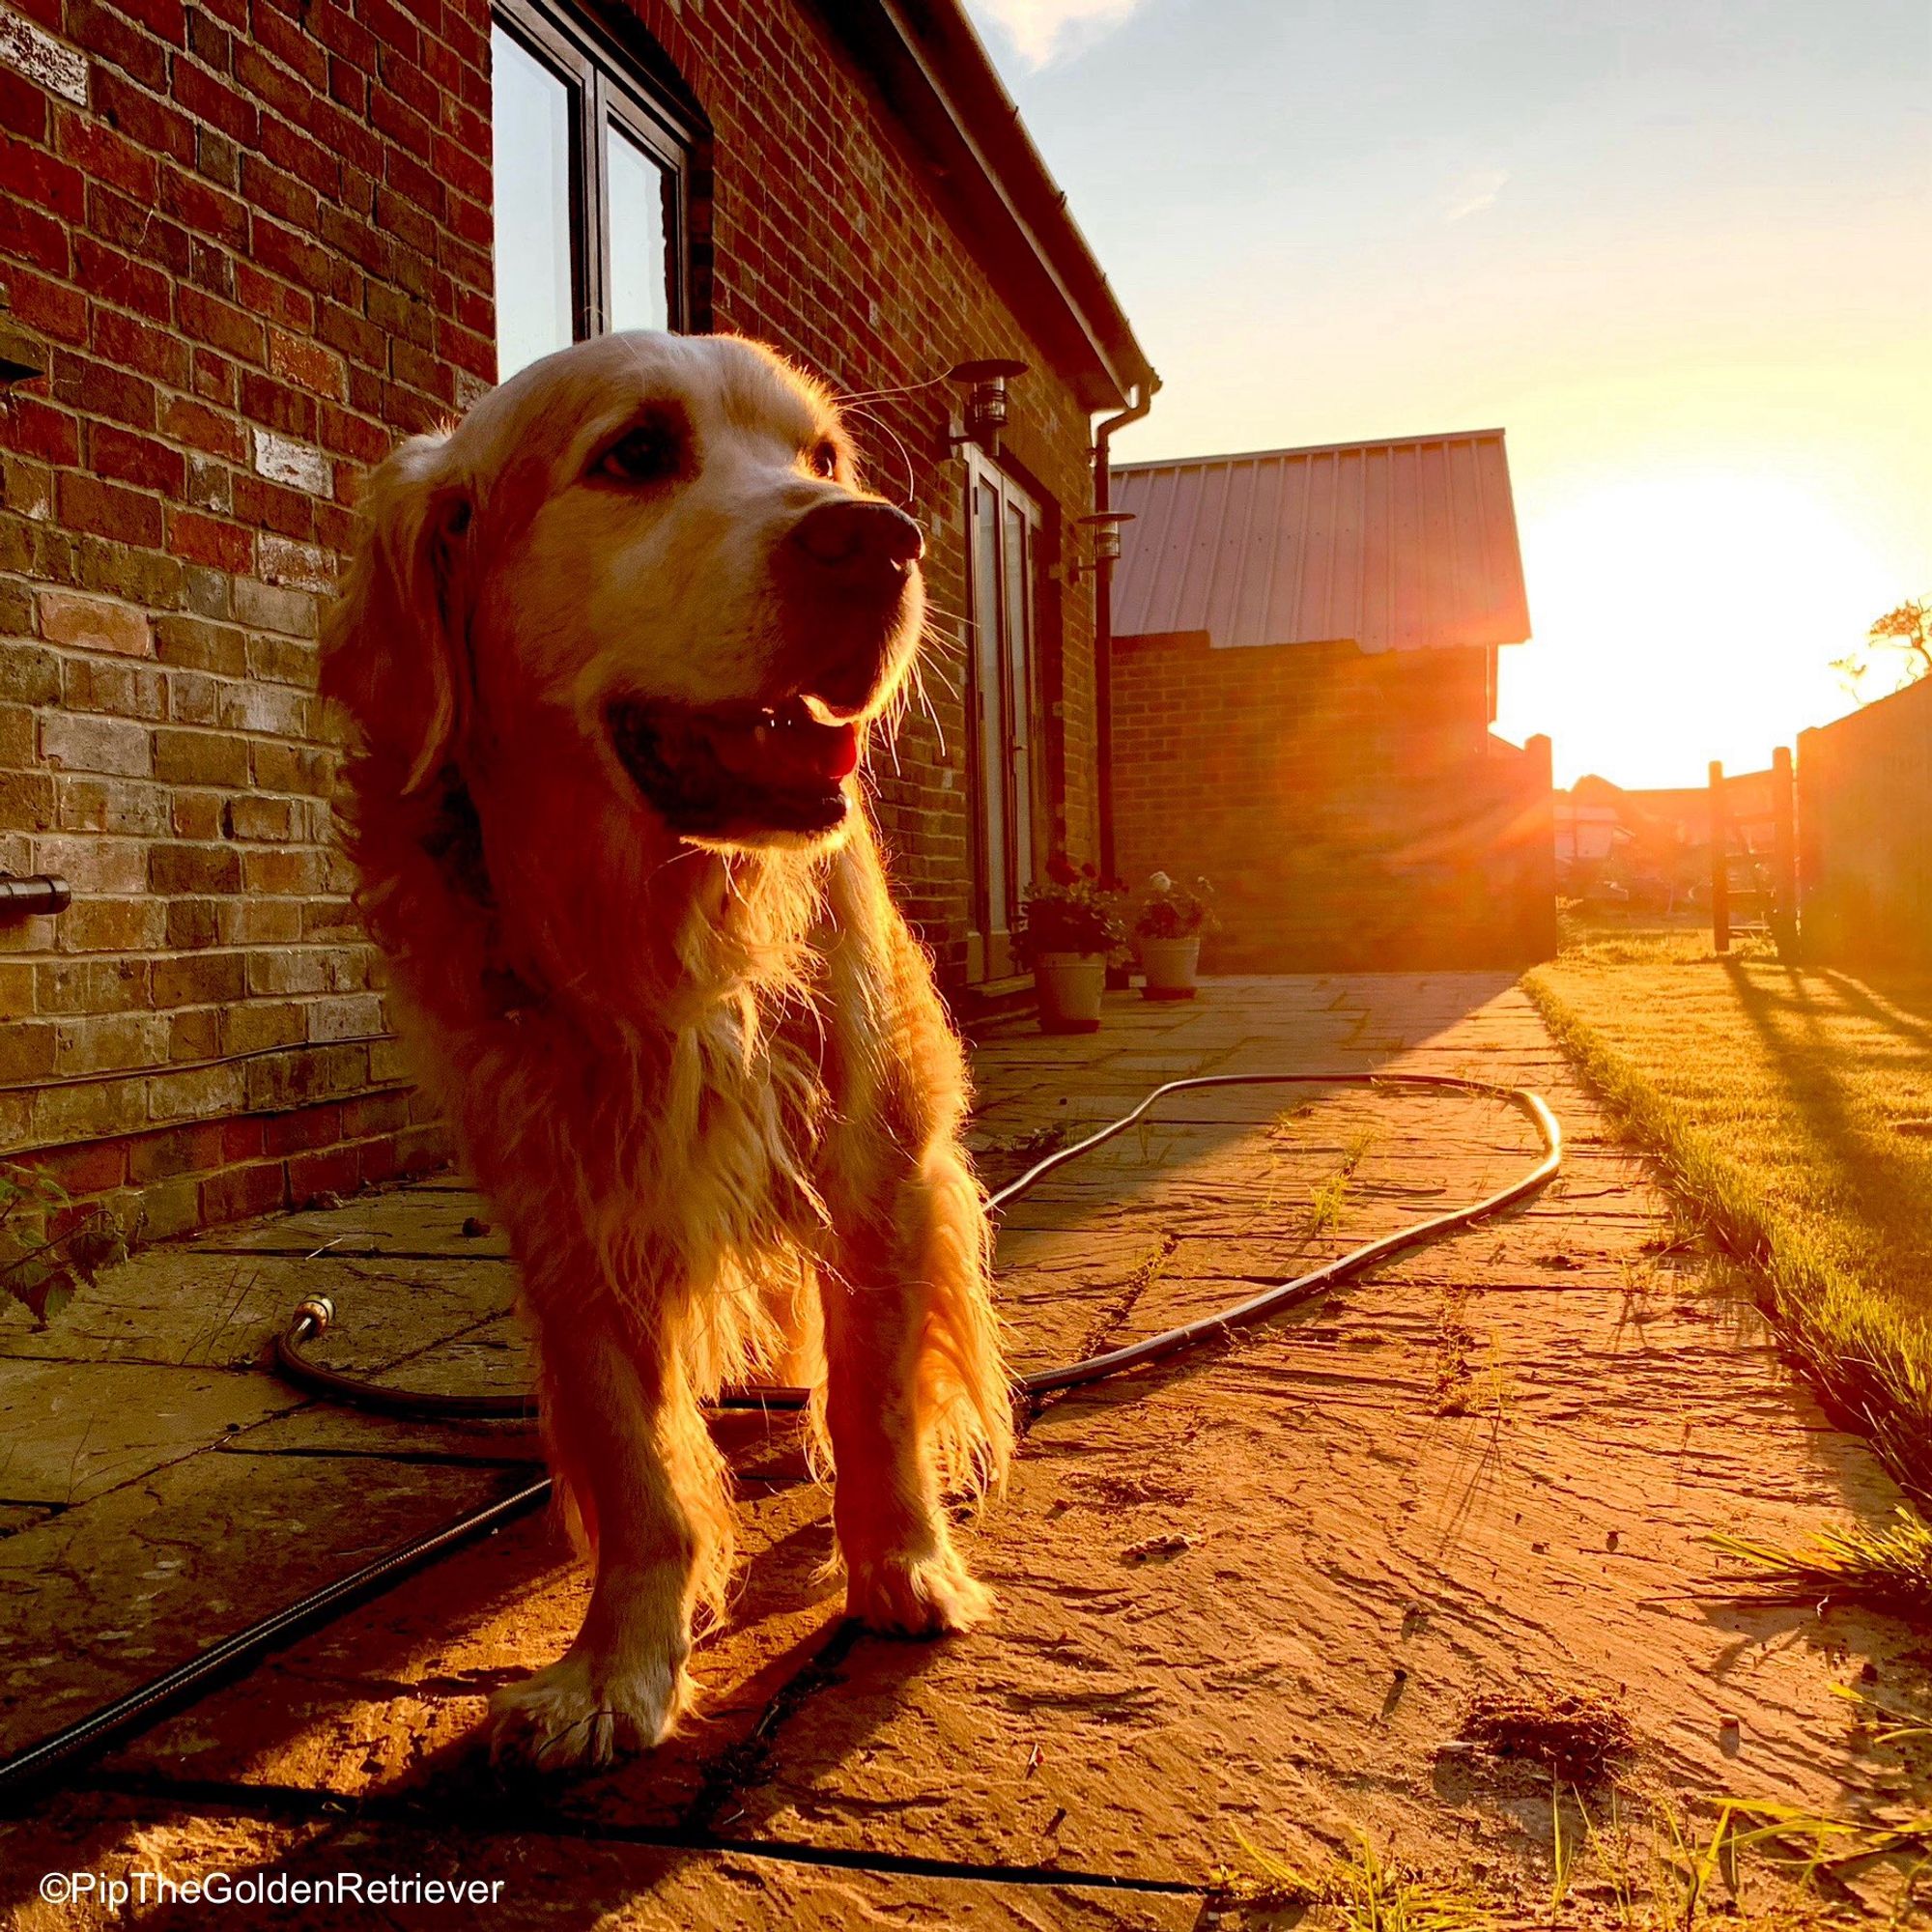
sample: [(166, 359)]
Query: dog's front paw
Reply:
[(899, 1594), (581, 1713)]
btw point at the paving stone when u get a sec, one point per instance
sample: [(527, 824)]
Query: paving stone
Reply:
[(70, 1431), (532, 1879), (1251, 1592), (99, 1598)]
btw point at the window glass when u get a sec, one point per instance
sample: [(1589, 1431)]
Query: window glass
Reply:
[(532, 153), (638, 187), (989, 687)]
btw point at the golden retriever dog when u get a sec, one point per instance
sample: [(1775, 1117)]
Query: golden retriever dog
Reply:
[(611, 648)]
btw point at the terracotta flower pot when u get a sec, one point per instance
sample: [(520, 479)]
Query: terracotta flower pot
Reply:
[(1171, 966), (1067, 989)]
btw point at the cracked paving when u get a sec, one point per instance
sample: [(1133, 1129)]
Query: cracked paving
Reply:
[(1249, 1594)]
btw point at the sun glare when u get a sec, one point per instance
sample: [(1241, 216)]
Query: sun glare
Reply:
[(1688, 617)]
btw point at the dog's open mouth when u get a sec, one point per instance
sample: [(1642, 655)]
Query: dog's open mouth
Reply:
[(728, 771)]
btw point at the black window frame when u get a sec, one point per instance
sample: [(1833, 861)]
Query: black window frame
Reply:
[(606, 83)]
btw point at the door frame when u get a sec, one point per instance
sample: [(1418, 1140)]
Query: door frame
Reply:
[(1016, 709)]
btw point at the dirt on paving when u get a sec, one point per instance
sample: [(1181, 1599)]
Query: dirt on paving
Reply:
[(1328, 1612)]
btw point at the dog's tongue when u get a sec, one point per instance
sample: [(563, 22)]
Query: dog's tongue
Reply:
[(791, 750)]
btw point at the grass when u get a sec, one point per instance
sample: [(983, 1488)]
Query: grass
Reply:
[(1330, 1199), (1794, 1107), (1889, 1569), (1639, 1865), (1362, 1891)]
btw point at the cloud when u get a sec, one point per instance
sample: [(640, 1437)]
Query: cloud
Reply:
[(1475, 192), (1043, 30)]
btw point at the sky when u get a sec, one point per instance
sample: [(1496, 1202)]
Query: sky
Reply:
[(1678, 251)]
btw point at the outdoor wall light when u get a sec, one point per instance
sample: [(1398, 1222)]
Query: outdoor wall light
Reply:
[(1103, 533), (985, 385)]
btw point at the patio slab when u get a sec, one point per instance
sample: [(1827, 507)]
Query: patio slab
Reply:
[(1246, 1596)]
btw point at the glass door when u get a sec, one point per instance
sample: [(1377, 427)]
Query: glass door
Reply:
[(1004, 525)]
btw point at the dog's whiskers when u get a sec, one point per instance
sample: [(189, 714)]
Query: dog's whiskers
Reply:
[(886, 429)]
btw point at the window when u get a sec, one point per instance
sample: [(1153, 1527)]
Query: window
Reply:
[(592, 184)]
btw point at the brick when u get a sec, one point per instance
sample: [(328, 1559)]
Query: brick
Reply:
[(42, 59), (111, 686), (222, 325), (127, 458), (194, 1035), (200, 757), (89, 985), (87, 504), (132, 805), (167, 1210), (198, 979), (27, 1052), (129, 343), (109, 1042), (302, 1131), (273, 607), (96, 149), (95, 1168), (238, 1192), (161, 1156), (193, 869), (300, 465), (306, 364), (206, 99), (109, 745), (305, 566), (255, 1024), (195, 816), (37, 177), (95, 625), (29, 426), (197, 643), (337, 1171), (195, 1094), (29, 674), (28, 801), (255, 818), (88, 1111), (212, 430), (202, 539)]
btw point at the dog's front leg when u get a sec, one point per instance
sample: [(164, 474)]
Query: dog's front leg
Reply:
[(913, 1382), (631, 1452)]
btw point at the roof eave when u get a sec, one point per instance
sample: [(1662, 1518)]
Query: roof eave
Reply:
[(941, 86)]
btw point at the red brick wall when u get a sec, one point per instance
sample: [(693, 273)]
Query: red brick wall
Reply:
[(1352, 809), (254, 238)]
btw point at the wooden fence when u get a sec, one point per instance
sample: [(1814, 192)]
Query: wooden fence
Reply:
[(1865, 834)]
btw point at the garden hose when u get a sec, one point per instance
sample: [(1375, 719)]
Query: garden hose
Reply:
[(127, 1715)]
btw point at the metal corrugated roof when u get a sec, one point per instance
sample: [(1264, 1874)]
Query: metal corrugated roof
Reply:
[(1400, 545)]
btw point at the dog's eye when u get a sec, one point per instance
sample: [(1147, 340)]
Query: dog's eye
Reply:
[(824, 458), (652, 451)]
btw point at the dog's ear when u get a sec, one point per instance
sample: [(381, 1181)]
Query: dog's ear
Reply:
[(393, 653)]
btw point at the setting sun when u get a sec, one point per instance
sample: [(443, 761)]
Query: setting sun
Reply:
[(1686, 616)]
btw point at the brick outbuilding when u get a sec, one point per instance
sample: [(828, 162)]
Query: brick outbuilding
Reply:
[(244, 245), (1304, 677)]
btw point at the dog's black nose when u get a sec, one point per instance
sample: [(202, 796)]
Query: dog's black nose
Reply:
[(860, 542)]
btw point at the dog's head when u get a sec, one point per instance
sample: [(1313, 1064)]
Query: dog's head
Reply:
[(649, 554)]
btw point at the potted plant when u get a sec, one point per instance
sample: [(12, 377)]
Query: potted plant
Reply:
[(1169, 920), (1066, 929)]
